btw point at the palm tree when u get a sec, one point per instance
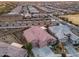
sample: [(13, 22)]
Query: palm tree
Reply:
[(28, 47), (62, 49)]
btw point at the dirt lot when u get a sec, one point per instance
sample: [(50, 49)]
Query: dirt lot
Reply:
[(73, 18)]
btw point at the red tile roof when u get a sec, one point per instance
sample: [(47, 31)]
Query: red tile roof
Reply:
[(37, 35)]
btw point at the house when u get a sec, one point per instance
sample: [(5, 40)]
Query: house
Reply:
[(11, 51), (38, 37), (32, 9), (59, 32), (8, 17), (74, 39), (43, 52), (62, 32), (16, 10)]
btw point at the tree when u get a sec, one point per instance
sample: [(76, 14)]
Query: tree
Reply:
[(62, 49), (28, 46)]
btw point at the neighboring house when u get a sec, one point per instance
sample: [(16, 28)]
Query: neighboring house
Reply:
[(32, 9), (26, 13), (8, 17), (74, 39), (59, 32), (44, 9), (38, 36), (16, 10), (11, 51), (62, 32), (43, 52)]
